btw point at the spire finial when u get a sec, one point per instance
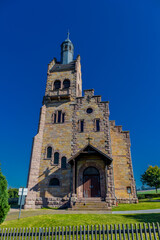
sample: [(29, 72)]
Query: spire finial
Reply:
[(68, 34)]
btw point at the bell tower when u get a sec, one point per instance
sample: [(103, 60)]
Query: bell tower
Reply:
[(64, 80), (67, 51)]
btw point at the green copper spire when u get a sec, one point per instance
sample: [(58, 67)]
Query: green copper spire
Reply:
[(67, 50)]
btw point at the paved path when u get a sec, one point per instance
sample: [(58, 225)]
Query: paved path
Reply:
[(52, 211), (137, 211)]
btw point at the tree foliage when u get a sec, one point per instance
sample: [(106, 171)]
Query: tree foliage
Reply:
[(4, 206), (151, 177), (13, 192)]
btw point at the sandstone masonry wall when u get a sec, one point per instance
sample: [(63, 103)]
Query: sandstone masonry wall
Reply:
[(35, 162), (122, 164)]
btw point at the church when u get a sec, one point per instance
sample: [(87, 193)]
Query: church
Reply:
[(80, 158)]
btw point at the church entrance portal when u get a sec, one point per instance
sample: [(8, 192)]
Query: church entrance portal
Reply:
[(91, 182)]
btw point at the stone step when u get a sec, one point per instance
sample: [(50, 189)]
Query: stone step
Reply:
[(92, 209), (90, 206), (92, 203), (85, 208), (90, 200)]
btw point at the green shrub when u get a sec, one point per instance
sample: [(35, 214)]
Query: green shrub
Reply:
[(152, 195), (13, 202), (4, 206), (141, 196)]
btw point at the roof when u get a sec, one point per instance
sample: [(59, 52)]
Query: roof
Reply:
[(62, 67), (90, 149)]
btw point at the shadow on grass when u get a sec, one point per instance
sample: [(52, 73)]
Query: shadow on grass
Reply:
[(147, 217)]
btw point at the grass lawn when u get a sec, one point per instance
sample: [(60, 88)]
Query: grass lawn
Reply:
[(79, 219), (142, 205), (148, 192), (50, 217)]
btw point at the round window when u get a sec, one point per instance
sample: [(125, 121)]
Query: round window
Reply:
[(89, 110)]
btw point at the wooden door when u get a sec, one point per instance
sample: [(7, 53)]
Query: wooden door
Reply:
[(91, 186), (87, 186), (95, 186)]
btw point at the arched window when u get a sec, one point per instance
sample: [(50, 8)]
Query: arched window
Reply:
[(66, 83), (54, 182), (49, 152), (57, 84), (56, 158), (63, 162)]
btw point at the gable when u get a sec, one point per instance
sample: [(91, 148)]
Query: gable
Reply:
[(90, 150)]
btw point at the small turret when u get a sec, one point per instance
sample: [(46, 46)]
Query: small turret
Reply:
[(67, 50)]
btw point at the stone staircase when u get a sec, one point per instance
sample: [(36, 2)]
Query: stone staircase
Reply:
[(91, 204)]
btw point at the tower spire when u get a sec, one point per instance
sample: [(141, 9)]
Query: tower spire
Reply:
[(67, 50)]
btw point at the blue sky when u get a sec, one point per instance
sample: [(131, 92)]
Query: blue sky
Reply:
[(119, 44)]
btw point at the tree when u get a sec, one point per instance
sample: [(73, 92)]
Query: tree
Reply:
[(4, 206), (151, 177), (13, 192)]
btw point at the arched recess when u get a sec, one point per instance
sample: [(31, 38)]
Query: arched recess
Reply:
[(101, 169), (66, 83), (57, 84), (54, 182)]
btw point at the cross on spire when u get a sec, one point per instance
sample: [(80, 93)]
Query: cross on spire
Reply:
[(89, 139)]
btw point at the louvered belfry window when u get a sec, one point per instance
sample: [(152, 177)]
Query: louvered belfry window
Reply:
[(66, 83), (57, 84)]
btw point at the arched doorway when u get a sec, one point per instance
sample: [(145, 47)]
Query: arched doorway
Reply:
[(91, 182)]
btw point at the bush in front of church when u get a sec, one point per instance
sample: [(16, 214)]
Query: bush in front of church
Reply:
[(4, 206)]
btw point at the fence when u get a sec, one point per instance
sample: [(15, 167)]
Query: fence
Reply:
[(145, 231)]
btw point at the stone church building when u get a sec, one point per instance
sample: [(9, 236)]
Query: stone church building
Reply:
[(79, 157)]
